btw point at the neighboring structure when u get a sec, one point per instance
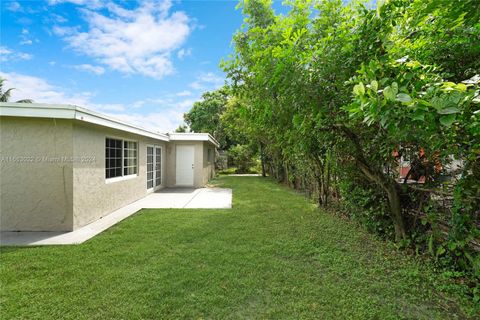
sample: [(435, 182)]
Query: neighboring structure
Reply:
[(413, 167), (221, 162), (63, 166)]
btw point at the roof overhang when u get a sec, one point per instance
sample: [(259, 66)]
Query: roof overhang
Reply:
[(190, 136), (71, 112)]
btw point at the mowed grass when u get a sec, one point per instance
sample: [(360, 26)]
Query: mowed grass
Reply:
[(273, 256)]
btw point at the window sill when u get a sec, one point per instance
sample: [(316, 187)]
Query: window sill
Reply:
[(122, 178)]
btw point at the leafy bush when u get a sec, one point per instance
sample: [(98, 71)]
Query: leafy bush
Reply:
[(242, 157), (363, 202), (331, 86)]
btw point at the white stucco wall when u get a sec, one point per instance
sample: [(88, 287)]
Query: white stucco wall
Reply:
[(35, 174), (208, 164), (171, 161), (52, 175), (201, 174), (93, 196)]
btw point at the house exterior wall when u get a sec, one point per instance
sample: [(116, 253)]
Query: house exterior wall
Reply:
[(172, 166), (52, 172), (208, 162), (203, 171), (93, 195), (35, 174)]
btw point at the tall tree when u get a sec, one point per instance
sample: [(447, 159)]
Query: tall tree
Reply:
[(182, 128), (205, 114), (328, 83)]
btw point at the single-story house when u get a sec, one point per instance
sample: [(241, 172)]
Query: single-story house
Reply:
[(63, 167)]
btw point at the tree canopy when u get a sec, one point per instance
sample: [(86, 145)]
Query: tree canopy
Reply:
[(205, 114), (336, 93)]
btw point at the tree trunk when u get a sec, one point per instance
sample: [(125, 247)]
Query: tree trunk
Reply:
[(285, 174), (393, 195), (327, 182), (388, 184), (262, 159), (276, 164), (319, 176)]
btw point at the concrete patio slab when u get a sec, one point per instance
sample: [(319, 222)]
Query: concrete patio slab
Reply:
[(208, 197), (175, 198)]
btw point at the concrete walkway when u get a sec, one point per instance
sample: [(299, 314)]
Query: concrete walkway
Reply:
[(203, 198)]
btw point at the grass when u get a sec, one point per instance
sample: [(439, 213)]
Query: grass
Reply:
[(234, 170), (273, 256)]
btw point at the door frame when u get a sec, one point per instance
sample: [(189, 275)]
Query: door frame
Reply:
[(193, 165), (162, 160)]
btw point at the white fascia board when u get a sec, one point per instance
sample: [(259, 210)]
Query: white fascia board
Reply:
[(89, 116), (190, 136), (36, 110), (213, 140), (58, 111)]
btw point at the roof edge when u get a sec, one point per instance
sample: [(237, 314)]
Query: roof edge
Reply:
[(72, 112), (193, 136)]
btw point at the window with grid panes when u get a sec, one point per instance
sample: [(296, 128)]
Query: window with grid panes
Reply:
[(113, 158), (120, 158), (129, 158)]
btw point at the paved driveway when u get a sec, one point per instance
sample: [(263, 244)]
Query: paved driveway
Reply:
[(203, 198)]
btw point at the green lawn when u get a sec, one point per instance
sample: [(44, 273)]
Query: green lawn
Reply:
[(273, 256)]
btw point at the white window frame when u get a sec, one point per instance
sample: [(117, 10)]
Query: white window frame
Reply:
[(162, 160), (160, 186), (122, 177), (135, 158)]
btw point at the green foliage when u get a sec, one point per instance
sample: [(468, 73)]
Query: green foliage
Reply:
[(330, 86), (242, 157), (182, 128), (363, 202), (205, 115), (221, 115), (230, 170)]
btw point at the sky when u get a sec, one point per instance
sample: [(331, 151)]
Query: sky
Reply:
[(141, 62)]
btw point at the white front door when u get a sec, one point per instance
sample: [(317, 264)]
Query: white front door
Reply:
[(154, 167), (184, 165)]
